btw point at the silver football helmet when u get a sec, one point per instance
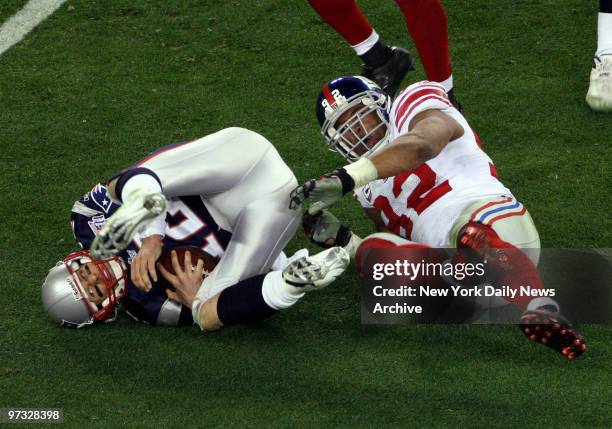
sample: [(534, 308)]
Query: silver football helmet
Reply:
[(69, 300)]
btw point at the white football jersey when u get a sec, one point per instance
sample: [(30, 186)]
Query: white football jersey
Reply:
[(423, 204)]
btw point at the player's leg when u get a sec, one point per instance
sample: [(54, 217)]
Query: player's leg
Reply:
[(262, 223), (263, 229), (501, 230), (507, 217), (427, 24), (382, 240), (599, 95), (384, 64), (259, 297), (206, 166), (346, 18), (502, 223)]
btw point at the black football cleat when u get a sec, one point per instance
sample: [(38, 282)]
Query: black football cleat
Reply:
[(455, 102), (390, 74), (553, 330)]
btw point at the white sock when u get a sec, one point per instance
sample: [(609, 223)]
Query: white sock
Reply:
[(604, 34), (447, 83), (536, 303), (139, 182), (363, 47), (280, 262), (278, 294)]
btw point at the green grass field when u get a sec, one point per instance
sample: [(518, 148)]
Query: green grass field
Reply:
[(100, 83)]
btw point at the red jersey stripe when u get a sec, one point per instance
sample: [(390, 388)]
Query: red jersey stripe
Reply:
[(413, 106), (408, 91), (162, 150), (412, 96)]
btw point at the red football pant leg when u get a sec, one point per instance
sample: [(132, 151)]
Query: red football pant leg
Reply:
[(519, 270), (345, 17), (426, 21), (382, 243)]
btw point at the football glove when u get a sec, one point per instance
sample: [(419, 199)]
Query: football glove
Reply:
[(324, 191), (325, 230)]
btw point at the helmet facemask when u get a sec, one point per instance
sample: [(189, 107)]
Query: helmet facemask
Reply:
[(363, 132), (112, 275), (79, 290)]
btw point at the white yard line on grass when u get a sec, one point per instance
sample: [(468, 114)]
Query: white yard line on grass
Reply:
[(24, 21)]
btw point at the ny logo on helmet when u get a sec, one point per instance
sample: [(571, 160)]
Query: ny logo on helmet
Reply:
[(338, 99)]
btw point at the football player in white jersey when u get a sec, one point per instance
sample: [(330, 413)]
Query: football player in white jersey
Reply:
[(418, 170), (237, 185)]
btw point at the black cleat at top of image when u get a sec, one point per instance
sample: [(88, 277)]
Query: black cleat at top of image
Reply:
[(390, 74), (554, 331), (455, 102)]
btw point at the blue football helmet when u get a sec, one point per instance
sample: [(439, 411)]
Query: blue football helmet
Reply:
[(353, 113)]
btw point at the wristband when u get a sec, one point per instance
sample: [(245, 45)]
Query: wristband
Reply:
[(348, 184), (362, 172)]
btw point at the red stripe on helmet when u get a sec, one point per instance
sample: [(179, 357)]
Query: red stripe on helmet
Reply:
[(328, 95)]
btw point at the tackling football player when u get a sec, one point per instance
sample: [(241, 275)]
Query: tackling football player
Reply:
[(225, 193), (418, 170)]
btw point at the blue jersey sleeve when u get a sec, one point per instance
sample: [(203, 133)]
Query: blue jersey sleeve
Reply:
[(89, 214)]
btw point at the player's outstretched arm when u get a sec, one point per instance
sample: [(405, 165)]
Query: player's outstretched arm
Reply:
[(430, 132)]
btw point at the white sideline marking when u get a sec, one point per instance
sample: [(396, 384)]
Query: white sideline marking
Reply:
[(24, 21)]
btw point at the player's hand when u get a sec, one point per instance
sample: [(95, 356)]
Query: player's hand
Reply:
[(142, 269), (324, 192), (187, 281), (325, 230)]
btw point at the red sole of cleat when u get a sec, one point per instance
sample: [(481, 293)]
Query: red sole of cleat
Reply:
[(553, 331)]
